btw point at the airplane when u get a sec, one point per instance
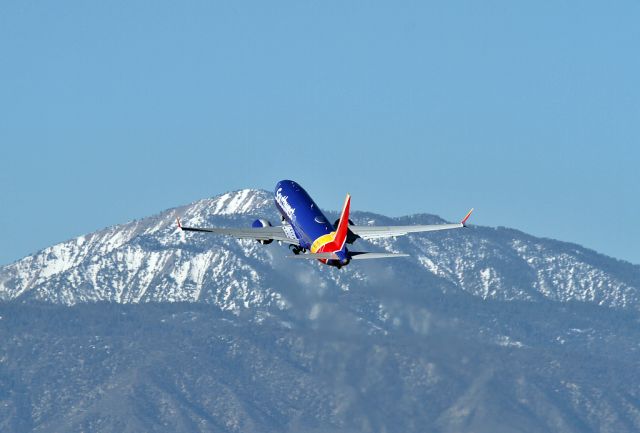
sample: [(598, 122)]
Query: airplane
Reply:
[(309, 233)]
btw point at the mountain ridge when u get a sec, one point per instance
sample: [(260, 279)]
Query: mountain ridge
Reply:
[(151, 252)]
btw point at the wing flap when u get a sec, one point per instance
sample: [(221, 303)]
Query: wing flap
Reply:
[(374, 232), (277, 233)]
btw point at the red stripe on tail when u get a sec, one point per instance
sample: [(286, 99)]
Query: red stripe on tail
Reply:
[(343, 225), (341, 231)]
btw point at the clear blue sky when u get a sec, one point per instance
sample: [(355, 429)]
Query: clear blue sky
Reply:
[(528, 111)]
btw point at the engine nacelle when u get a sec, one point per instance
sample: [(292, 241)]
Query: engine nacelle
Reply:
[(262, 223), (351, 236)]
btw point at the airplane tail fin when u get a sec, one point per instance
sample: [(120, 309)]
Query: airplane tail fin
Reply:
[(333, 242), (343, 226)]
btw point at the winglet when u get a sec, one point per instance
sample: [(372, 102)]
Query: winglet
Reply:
[(464, 220), (179, 225)]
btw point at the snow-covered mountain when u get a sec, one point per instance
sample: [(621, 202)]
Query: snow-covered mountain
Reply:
[(149, 260), (139, 327)]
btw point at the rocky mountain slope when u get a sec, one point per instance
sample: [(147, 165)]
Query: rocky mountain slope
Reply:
[(140, 328)]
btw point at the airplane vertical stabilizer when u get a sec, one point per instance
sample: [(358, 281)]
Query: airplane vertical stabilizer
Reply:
[(335, 240)]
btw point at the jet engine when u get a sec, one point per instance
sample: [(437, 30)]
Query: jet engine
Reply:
[(262, 223), (351, 236)]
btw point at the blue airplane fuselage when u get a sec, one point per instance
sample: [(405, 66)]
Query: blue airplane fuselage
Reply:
[(305, 217)]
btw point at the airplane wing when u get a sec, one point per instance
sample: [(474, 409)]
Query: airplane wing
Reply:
[(277, 233), (374, 232)]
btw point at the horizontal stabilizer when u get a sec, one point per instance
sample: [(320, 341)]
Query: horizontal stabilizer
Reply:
[(365, 256), (356, 255), (315, 256)]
